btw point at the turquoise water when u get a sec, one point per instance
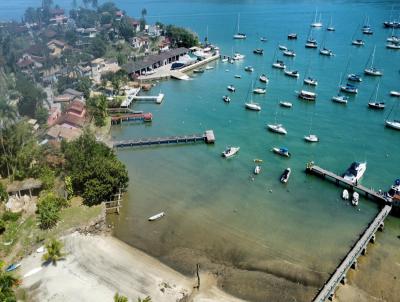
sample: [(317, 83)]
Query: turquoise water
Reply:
[(268, 237), (298, 231)]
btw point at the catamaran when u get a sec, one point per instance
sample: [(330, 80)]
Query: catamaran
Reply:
[(370, 69), (239, 35)]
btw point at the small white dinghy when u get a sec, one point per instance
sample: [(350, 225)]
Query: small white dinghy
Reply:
[(395, 93), (257, 170), (259, 91), (286, 104), (157, 216), (231, 88), (345, 194), (285, 175), (354, 200)]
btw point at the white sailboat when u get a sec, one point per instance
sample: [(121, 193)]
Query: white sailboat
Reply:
[(316, 23), (311, 138), (371, 69), (330, 27), (277, 128), (251, 105), (393, 122), (239, 35), (375, 104)]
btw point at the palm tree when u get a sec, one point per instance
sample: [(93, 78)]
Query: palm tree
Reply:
[(118, 298), (54, 252)]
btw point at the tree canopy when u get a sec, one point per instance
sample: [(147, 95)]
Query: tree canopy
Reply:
[(181, 37)]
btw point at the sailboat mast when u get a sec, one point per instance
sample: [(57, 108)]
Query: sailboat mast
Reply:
[(238, 23)]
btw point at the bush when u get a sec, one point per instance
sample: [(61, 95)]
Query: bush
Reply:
[(2, 226), (3, 193), (48, 209), (10, 216)]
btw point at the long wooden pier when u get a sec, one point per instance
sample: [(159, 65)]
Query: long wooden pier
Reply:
[(359, 248), (208, 137), (369, 193), (118, 119)]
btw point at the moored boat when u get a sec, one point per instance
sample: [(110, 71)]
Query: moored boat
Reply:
[(249, 69), (311, 44), (156, 217), (354, 77), (231, 88), (393, 46), (326, 52), (341, 99), (370, 69), (358, 42), (230, 151), (277, 128), (258, 51), (292, 73), (198, 70), (257, 170), (376, 105), (237, 56), (311, 138), (282, 47), (292, 36), (355, 198), (349, 88), (226, 99), (310, 81), (253, 106), (279, 64), (259, 91), (263, 39), (285, 104), (289, 53), (345, 194), (281, 151), (394, 124), (239, 35), (263, 78), (307, 95), (395, 93), (355, 172), (285, 175), (238, 76)]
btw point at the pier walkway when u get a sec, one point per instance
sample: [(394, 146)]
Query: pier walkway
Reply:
[(208, 137), (369, 193), (131, 117), (157, 98), (339, 275)]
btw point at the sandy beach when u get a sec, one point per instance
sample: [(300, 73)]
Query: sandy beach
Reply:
[(98, 266)]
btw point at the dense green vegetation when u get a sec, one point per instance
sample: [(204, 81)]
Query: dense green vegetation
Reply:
[(95, 171), (7, 283), (181, 37), (48, 209)]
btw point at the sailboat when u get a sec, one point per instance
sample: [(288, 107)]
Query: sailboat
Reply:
[(277, 128), (276, 63), (325, 51), (371, 70), (238, 34), (375, 104), (393, 123), (330, 27), (251, 105), (316, 23), (366, 29), (311, 138), (357, 41), (339, 98), (310, 80), (311, 42)]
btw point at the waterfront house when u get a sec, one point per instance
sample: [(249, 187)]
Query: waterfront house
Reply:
[(152, 62)]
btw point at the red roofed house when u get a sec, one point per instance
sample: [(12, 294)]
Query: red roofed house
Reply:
[(54, 114), (75, 115)]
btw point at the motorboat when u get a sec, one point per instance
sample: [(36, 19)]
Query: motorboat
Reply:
[(238, 76), (355, 172), (249, 69), (391, 24), (395, 93), (237, 56), (393, 45), (226, 99), (263, 39), (342, 99), (286, 104), (157, 216), (259, 91), (258, 51), (376, 105), (358, 42), (285, 175), (395, 124), (257, 160), (372, 71), (310, 81), (349, 88), (281, 151), (307, 95), (311, 138), (282, 47), (394, 190), (292, 73), (209, 67), (292, 36), (277, 128), (230, 151), (355, 198), (279, 64), (326, 52), (354, 77), (345, 194), (257, 170), (231, 88), (253, 106), (198, 70), (289, 53), (263, 78)]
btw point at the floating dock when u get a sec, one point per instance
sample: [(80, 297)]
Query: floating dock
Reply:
[(350, 261), (208, 137), (369, 193), (157, 98), (131, 117)]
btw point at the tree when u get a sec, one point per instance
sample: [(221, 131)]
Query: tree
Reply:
[(7, 284), (181, 37), (97, 47), (54, 251), (84, 85), (32, 97), (8, 116), (41, 115), (3, 193), (68, 187), (120, 298), (125, 29), (96, 172), (97, 108)]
